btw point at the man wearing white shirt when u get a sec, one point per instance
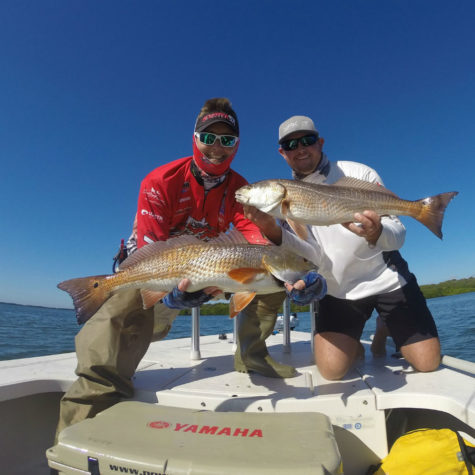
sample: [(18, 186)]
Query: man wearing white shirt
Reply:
[(360, 262)]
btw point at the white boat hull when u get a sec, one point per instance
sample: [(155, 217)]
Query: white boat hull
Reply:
[(378, 400)]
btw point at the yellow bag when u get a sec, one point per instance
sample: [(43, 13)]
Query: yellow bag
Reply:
[(428, 452)]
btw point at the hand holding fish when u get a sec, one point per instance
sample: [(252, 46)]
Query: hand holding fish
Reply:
[(185, 283), (179, 298), (312, 287), (367, 225)]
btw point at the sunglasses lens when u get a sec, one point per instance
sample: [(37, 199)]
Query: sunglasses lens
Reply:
[(308, 140), (228, 140), (207, 138), (290, 144)]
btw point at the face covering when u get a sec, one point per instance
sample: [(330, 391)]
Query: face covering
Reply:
[(210, 168)]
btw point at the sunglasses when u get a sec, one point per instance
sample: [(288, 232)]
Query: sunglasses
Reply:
[(305, 141), (208, 138)]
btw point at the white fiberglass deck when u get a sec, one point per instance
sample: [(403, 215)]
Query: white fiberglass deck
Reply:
[(356, 405)]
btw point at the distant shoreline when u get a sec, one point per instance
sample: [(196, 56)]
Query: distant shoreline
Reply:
[(442, 289), (449, 287), (37, 306)]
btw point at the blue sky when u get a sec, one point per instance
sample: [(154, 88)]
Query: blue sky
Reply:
[(94, 95)]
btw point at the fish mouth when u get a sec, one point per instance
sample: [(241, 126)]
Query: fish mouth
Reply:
[(241, 197)]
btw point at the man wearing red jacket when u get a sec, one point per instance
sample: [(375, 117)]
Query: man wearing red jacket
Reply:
[(192, 195), (181, 198)]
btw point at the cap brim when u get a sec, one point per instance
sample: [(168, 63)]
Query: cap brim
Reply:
[(203, 126), (314, 132)]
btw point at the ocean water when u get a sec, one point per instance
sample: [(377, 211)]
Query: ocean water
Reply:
[(27, 331)]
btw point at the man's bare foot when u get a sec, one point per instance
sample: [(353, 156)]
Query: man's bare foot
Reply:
[(378, 345)]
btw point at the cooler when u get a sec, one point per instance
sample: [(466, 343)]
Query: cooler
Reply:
[(147, 439)]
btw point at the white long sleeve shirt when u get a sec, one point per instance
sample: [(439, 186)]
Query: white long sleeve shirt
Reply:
[(352, 268)]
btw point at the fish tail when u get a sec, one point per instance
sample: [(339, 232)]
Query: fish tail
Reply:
[(431, 213), (88, 294)]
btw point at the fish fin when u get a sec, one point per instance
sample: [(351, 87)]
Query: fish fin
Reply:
[(151, 297), (299, 229), (432, 211), (285, 208), (240, 301), (157, 247), (233, 236), (145, 252), (349, 182), (88, 294), (244, 275)]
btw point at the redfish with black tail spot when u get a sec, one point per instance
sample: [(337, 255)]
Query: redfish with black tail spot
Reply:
[(228, 262), (301, 203)]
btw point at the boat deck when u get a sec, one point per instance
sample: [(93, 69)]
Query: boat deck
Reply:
[(357, 406)]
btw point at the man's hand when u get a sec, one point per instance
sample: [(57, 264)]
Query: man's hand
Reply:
[(367, 225), (265, 222), (180, 299), (185, 283), (312, 287)]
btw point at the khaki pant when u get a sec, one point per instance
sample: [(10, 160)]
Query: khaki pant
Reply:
[(266, 307), (255, 323), (109, 348), (112, 343)]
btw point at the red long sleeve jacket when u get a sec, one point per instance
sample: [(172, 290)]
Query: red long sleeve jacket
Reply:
[(172, 202)]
